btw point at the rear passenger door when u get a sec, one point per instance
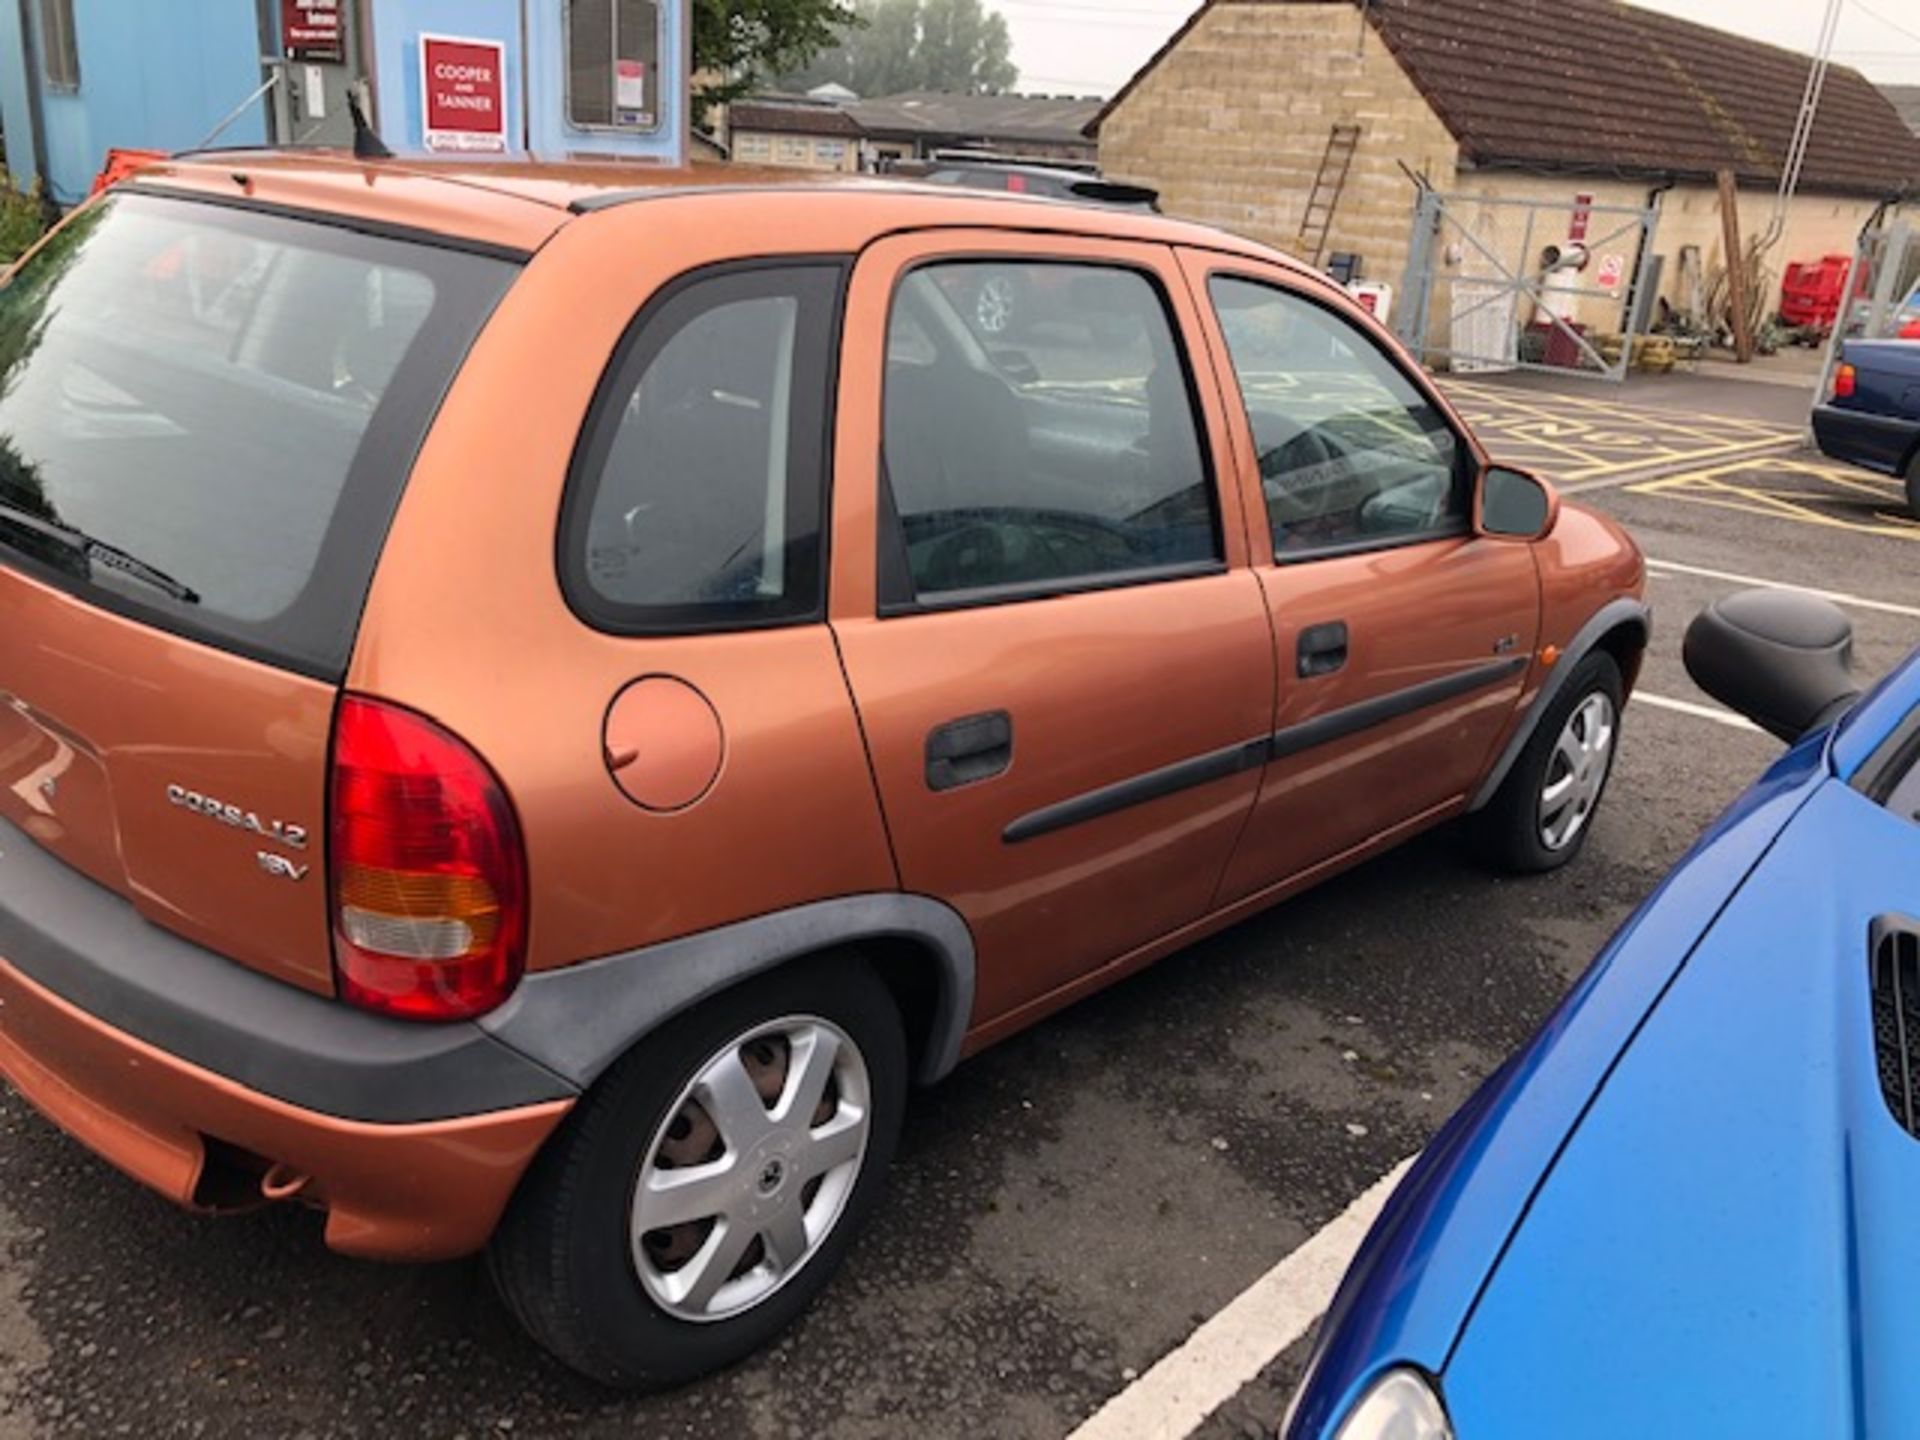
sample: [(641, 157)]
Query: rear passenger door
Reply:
[(1061, 663), (1402, 638)]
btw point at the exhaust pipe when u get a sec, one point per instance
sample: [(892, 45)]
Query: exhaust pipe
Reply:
[(283, 1182)]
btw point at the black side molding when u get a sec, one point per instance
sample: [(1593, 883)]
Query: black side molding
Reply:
[(1138, 789), (1350, 719), (1251, 754)]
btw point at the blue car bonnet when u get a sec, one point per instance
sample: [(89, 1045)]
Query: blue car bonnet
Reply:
[(1726, 1247), (1712, 1072)]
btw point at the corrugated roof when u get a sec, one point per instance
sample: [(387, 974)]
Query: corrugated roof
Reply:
[(1059, 120), (1605, 86)]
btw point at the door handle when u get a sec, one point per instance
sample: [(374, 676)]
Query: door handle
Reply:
[(1322, 649), (972, 748)]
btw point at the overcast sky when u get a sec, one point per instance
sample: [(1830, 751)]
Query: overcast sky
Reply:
[(1088, 47)]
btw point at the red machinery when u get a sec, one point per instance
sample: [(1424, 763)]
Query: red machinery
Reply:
[(1814, 291)]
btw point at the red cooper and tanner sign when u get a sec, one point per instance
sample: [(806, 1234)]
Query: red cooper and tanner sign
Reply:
[(463, 93)]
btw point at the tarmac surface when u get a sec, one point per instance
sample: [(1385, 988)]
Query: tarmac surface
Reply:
[(1069, 1206)]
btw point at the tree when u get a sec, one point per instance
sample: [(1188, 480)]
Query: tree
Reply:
[(897, 45), (739, 43)]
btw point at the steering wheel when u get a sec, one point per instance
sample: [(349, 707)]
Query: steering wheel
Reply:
[(1293, 505), (960, 560)]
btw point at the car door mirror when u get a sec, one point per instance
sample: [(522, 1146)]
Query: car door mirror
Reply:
[(1781, 658), (1513, 505)]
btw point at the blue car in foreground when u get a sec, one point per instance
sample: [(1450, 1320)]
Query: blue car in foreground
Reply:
[(1872, 419), (1691, 1205)]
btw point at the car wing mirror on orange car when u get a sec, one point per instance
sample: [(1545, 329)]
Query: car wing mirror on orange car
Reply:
[(1514, 505)]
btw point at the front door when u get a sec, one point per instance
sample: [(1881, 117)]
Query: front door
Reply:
[(1402, 639), (1061, 663)]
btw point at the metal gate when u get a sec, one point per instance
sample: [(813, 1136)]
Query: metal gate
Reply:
[(1881, 297), (1505, 284)]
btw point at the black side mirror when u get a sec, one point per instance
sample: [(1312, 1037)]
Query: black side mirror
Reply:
[(1781, 658), (1515, 505)]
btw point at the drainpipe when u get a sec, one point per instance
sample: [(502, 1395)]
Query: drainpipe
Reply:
[(36, 112)]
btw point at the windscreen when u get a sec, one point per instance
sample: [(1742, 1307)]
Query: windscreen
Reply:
[(208, 413)]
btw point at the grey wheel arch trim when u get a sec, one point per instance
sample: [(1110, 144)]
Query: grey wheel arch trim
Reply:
[(1609, 617), (578, 1020)]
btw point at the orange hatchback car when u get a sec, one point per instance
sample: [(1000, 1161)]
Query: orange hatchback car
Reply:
[(534, 709)]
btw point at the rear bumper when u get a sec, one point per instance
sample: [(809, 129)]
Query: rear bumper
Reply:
[(1860, 437), (426, 1191), (146, 1048)]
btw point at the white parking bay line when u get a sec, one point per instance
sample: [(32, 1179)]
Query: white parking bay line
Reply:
[(1188, 1384), (1699, 712), (1839, 597)]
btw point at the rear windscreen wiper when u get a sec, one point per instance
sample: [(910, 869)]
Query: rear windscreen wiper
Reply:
[(99, 552)]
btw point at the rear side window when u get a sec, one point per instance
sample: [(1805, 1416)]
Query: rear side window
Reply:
[(1040, 435), (207, 414), (697, 491)]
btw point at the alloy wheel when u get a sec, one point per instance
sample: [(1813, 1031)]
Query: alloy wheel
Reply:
[(1577, 771), (993, 305), (751, 1169)]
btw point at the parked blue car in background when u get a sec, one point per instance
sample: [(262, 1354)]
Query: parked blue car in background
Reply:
[(1691, 1205), (1872, 418)]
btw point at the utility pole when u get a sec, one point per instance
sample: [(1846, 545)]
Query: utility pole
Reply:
[(1736, 268)]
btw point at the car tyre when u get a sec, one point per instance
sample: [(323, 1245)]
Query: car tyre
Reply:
[(1913, 483), (571, 1260), (1541, 815)]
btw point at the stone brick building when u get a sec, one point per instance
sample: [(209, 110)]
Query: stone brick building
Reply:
[(1536, 99)]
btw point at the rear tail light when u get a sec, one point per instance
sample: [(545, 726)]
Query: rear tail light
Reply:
[(1843, 382), (427, 869)]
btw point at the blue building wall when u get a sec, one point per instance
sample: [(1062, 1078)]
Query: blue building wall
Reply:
[(160, 74), (536, 77), (14, 111), (397, 26), (153, 76)]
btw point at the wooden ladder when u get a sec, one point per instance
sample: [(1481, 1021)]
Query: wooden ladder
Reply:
[(1317, 220)]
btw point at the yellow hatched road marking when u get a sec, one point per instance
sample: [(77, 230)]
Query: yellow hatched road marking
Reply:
[(1717, 487)]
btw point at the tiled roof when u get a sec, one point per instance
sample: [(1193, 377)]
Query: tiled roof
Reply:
[(1604, 86), (791, 118)]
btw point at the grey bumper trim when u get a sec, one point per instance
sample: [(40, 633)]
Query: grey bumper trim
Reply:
[(579, 1020), (94, 950), (1609, 616)]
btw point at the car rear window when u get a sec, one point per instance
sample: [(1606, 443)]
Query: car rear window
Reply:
[(208, 413)]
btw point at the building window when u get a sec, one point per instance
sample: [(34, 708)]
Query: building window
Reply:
[(792, 149), (59, 52), (752, 147), (830, 152), (613, 55)]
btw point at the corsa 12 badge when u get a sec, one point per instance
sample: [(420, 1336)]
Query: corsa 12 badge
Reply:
[(279, 831)]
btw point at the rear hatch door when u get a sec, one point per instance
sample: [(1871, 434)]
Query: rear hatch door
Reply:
[(207, 416)]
